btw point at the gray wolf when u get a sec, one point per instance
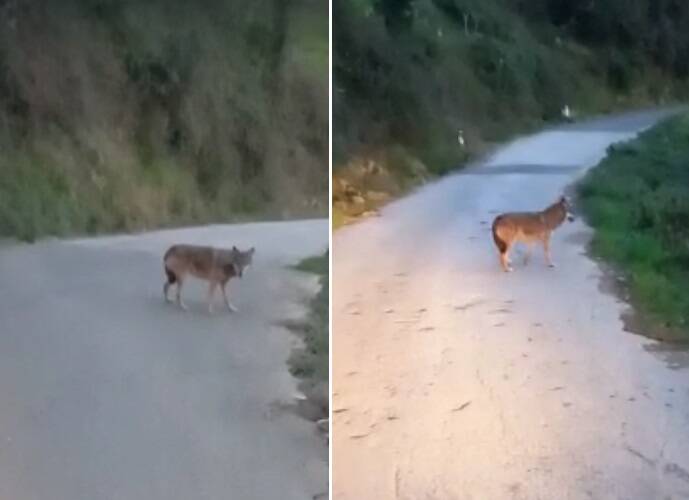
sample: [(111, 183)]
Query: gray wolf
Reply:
[(215, 265), (528, 228)]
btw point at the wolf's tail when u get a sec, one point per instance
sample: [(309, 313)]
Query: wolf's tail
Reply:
[(499, 242), (169, 252), (171, 276)]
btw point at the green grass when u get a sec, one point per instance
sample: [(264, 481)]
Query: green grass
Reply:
[(315, 265), (311, 362), (637, 200)]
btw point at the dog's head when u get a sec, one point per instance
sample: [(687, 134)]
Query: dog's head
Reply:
[(567, 206), (241, 260)]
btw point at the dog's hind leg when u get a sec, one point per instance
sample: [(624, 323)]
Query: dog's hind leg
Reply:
[(229, 305)]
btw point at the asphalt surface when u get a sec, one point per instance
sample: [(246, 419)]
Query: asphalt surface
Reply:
[(106, 392), (454, 380)]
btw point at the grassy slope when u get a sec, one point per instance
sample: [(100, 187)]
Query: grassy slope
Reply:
[(637, 200), (400, 99), (118, 115)]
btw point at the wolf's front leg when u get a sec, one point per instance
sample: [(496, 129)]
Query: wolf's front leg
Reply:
[(229, 305)]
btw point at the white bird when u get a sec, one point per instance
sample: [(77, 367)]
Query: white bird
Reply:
[(460, 137)]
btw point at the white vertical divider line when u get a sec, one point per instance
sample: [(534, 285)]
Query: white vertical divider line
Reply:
[(330, 249)]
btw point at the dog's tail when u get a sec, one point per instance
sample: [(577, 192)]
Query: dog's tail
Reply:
[(499, 242)]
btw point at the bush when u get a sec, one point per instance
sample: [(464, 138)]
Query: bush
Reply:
[(637, 199), (156, 113)]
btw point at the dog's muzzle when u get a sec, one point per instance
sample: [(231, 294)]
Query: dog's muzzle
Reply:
[(570, 218)]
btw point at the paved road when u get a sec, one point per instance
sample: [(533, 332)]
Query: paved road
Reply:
[(108, 393), (453, 380)]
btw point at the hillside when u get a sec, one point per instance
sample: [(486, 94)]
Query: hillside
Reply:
[(118, 115), (410, 74)]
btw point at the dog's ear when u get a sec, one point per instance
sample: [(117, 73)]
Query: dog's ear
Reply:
[(234, 249), (252, 250)]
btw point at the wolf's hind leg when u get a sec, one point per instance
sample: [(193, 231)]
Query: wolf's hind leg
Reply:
[(171, 279), (211, 294), (180, 303), (527, 254), (505, 261), (546, 250)]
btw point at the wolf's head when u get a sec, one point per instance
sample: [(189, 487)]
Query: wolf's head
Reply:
[(567, 206), (242, 260)]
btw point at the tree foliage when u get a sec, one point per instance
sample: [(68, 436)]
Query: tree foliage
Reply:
[(411, 72)]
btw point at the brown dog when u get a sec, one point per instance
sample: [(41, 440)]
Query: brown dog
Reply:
[(529, 227), (215, 265)]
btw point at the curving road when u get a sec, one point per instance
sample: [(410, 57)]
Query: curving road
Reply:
[(107, 393), (453, 380)]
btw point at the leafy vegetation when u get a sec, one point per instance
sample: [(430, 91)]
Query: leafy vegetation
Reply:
[(312, 361), (409, 74), (637, 199), (119, 115)]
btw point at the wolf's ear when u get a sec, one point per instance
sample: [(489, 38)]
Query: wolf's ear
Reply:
[(252, 250), (234, 249)]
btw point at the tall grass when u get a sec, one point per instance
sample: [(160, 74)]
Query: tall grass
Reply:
[(312, 361)]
